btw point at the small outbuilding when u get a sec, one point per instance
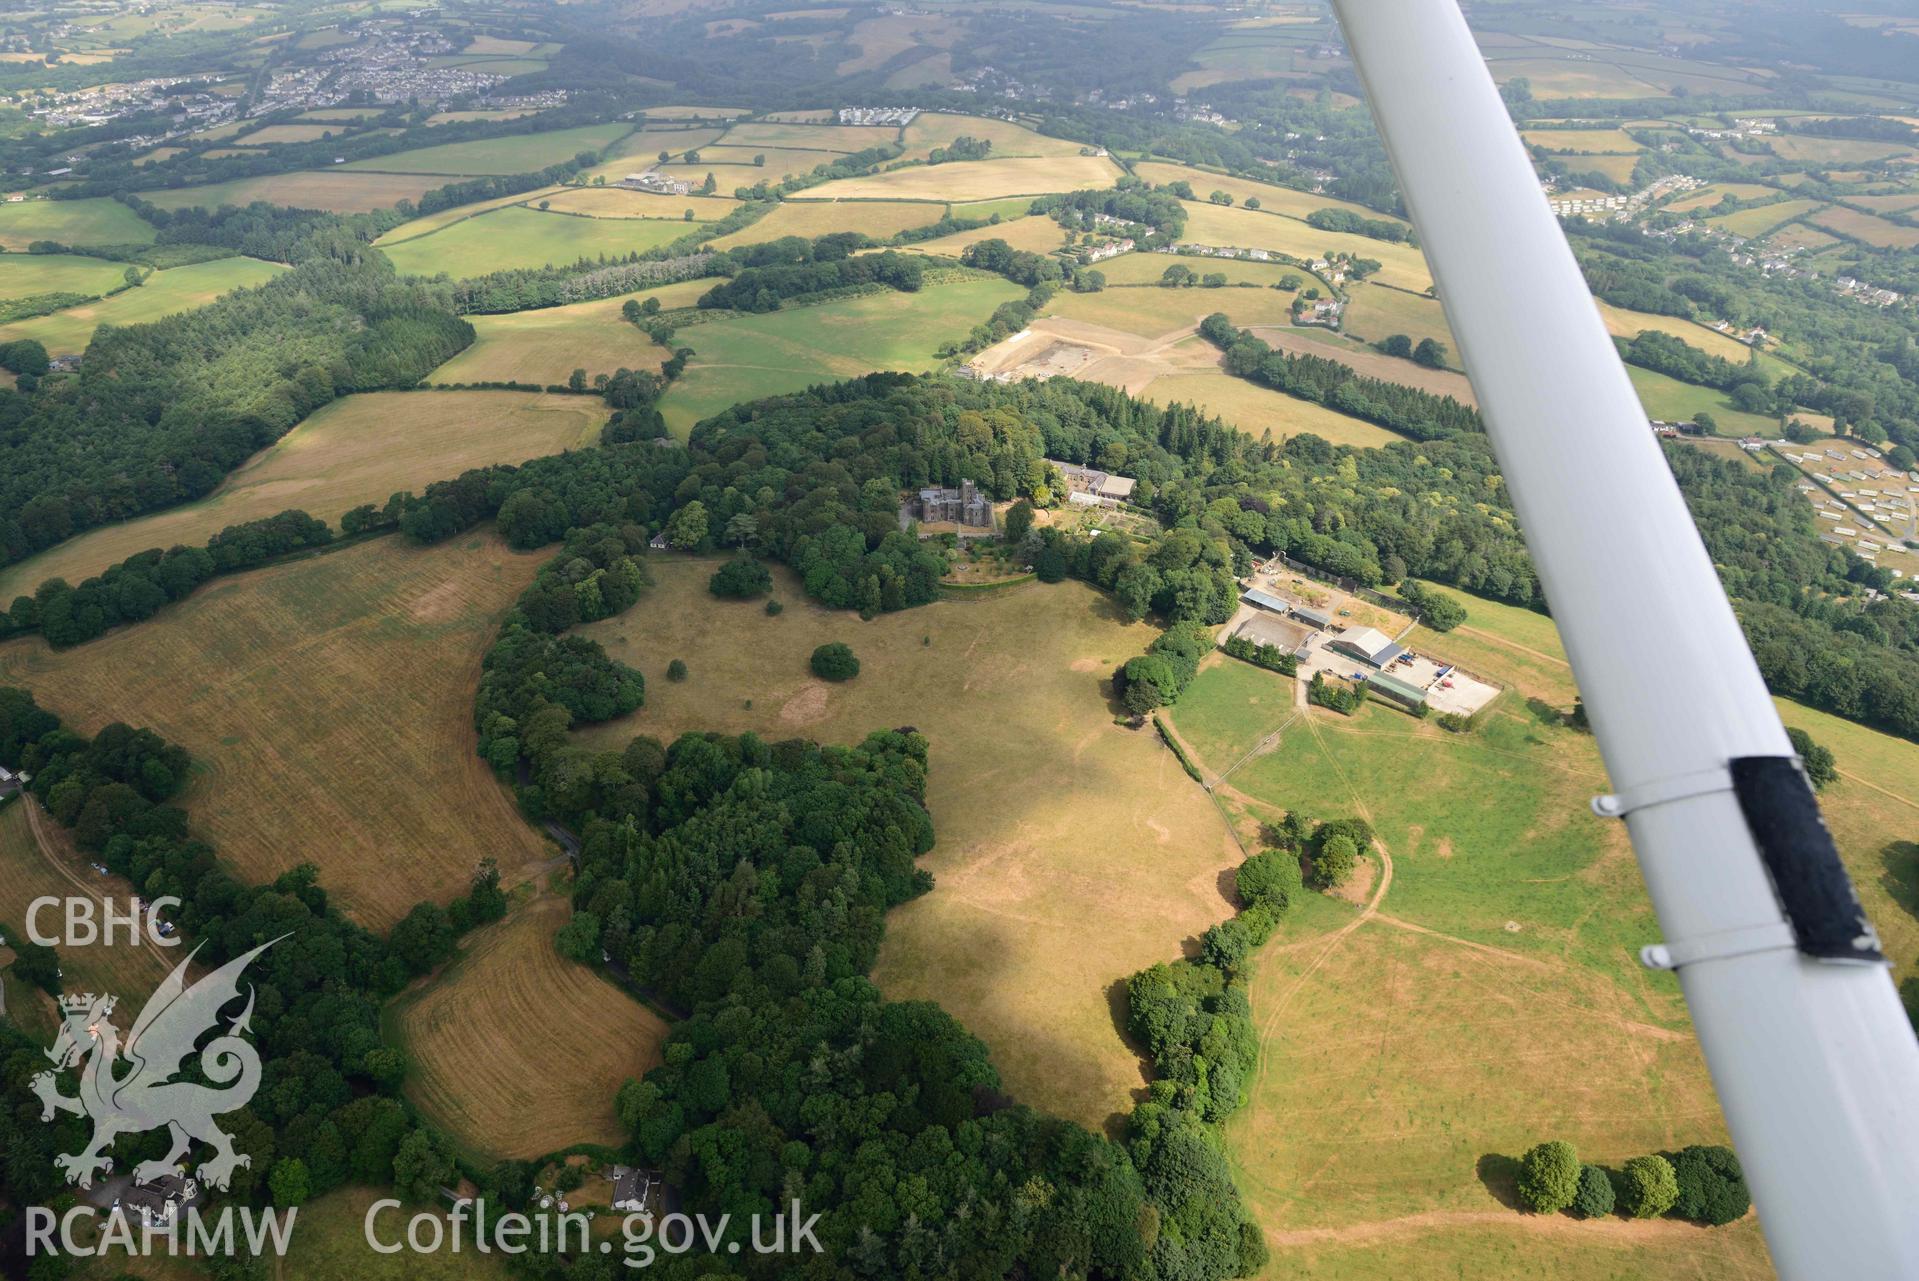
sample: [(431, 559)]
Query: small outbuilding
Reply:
[(1397, 690), (1266, 600)]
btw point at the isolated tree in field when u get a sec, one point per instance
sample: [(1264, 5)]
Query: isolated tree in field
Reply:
[(1648, 1187), (1431, 353), (1594, 1200), (741, 579), (1252, 202), (1712, 1188), (710, 186), (1334, 862), (1176, 276), (1019, 519), (1821, 766), (576, 381), (1397, 345), (1549, 1177), (688, 527), (36, 965), (835, 662), (676, 670)]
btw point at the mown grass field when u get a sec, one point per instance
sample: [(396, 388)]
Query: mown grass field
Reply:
[(1032, 234), (23, 275), (274, 134), (1761, 219), (1374, 312), (420, 226), (329, 1244), (333, 190), (1150, 311), (547, 345), (1706, 197), (939, 129), (1673, 401), (1630, 324), (880, 219), (1272, 198), (1210, 224), (165, 293), (95, 221), (515, 153), (642, 148), (1147, 268), (736, 167), (809, 137), (516, 236), (38, 860), (1874, 231), (1828, 152), (328, 704), (1256, 410), (1582, 142), (977, 180), (359, 449), (1489, 998), (1071, 852), (515, 1050), (622, 202), (748, 357)]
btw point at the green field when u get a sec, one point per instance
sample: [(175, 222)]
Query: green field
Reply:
[(1673, 401), (96, 221), (747, 357), (516, 153), (164, 293), (23, 275), (1487, 997), (1256, 410), (330, 1244), (516, 236), (1208, 224)]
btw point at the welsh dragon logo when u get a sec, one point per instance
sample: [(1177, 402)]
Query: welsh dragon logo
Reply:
[(129, 1088)]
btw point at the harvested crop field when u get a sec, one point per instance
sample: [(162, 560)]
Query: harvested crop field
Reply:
[(1272, 198), (328, 705), (977, 180), (1071, 852), (1372, 364), (515, 1050), (359, 449), (623, 202)]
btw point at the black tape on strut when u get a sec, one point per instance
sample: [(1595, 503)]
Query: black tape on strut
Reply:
[(1812, 884)]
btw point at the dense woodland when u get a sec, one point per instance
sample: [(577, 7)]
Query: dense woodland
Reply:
[(159, 414)]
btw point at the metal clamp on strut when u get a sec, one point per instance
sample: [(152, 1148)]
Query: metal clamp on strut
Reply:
[(1776, 936), (1661, 791)]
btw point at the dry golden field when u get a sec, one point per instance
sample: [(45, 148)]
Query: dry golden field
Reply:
[(1071, 852), (328, 705), (515, 1050), (877, 218), (359, 449), (334, 190), (977, 180), (547, 345)]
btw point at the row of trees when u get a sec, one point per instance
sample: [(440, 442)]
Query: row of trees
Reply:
[(1702, 1183)]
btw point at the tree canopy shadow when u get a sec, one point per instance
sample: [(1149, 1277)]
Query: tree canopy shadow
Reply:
[(1499, 1174)]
